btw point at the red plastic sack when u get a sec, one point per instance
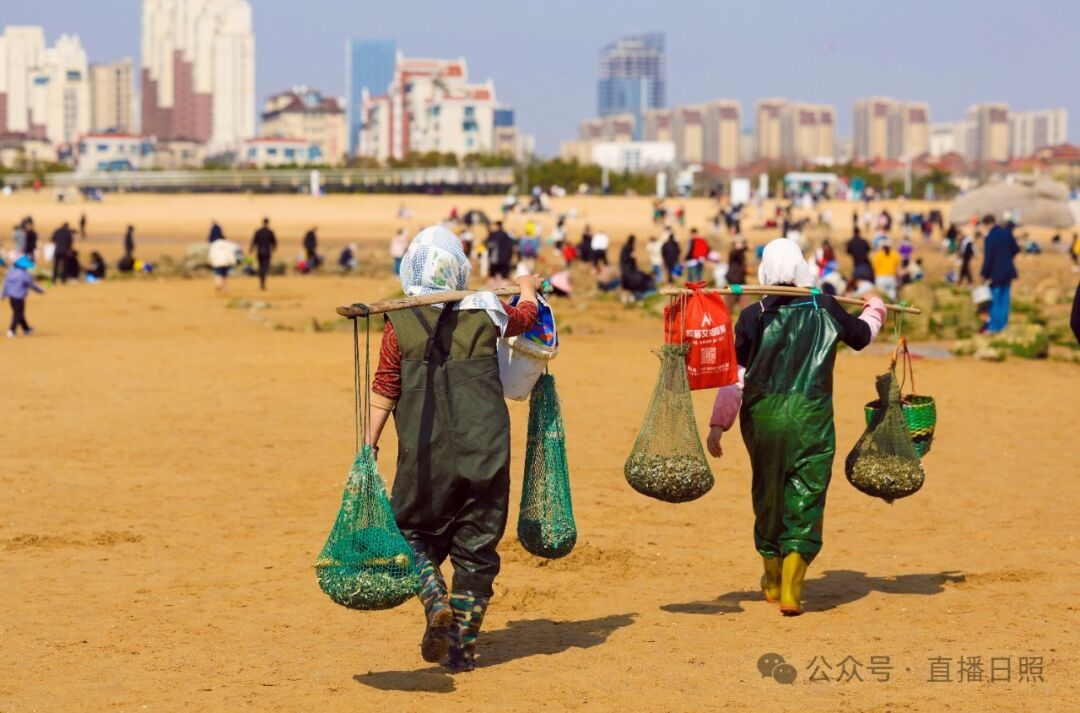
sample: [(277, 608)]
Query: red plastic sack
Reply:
[(701, 320)]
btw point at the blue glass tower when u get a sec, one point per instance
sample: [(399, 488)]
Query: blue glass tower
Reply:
[(369, 65), (632, 77)]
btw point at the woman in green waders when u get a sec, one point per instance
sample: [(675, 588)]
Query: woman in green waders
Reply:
[(786, 349), (439, 375)]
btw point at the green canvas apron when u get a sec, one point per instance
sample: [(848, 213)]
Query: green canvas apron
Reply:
[(451, 491), (787, 424)]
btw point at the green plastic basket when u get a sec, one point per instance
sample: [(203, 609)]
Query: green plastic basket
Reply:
[(920, 413)]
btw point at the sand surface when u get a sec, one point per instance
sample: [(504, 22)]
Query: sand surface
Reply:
[(172, 464)]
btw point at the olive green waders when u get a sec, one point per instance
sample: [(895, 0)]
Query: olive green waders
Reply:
[(787, 424), (451, 491)]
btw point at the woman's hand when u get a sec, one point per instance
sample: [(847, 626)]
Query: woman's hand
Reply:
[(713, 442), (529, 285)]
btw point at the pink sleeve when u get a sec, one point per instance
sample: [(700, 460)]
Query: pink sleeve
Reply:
[(874, 315), (727, 404)]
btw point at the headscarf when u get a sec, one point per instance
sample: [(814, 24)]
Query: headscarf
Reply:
[(782, 263), (436, 262), (24, 262)]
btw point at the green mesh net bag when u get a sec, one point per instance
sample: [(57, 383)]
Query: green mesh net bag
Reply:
[(366, 562), (546, 520), (667, 461), (884, 463)]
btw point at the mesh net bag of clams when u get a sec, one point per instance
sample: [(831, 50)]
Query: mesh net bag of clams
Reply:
[(884, 463), (366, 562), (546, 526), (668, 462)]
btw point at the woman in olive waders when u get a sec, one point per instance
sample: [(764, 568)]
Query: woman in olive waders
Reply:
[(439, 375), (786, 349)]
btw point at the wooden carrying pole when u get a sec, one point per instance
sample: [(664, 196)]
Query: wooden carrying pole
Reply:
[(786, 290), (364, 310), (361, 309)]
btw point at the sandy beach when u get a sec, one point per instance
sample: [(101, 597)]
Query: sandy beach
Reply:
[(173, 460)]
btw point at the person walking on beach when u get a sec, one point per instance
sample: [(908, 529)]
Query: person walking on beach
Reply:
[(62, 241), (17, 284), (31, 238), (786, 352), (216, 233), (967, 254), (18, 240), (311, 256), (500, 250), (438, 375), (859, 250), (129, 241), (999, 270), (886, 264), (263, 244), (669, 251), (398, 245)]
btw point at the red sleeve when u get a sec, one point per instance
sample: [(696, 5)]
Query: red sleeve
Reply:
[(387, 381), (521, 318)]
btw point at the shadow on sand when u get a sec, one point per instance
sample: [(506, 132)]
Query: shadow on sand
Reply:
[(519, 640), (834, 588)]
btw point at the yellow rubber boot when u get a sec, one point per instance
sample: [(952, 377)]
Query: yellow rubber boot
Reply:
[(791, 582), (770, 581)]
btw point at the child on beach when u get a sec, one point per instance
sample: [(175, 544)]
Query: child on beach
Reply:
[(17, 284), (439, 375)]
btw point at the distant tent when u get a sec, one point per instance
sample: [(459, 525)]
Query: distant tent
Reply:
[(1030, 201)]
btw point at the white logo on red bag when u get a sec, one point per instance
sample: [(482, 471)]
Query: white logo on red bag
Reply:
[(708, 355), (706, 320)]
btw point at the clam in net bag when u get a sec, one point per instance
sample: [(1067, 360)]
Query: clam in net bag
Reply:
[(366, 562), (884, 463), (668, 462), (546, 525)]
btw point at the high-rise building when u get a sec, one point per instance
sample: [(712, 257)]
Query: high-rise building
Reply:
[(304, 113), (946, 138), (198, 71), (60, 91), (768, 128), (369, 66), (112, 97), (22, 49), (430, 106), (914, 131), (721, 133), (889, 129), (632, 77), (807, 133), (1030, 131), (987, 133), (656, 125), (688, 133), (795, 132), (873, 117)]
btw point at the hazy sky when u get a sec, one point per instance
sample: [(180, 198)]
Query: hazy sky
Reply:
[(543, 56)]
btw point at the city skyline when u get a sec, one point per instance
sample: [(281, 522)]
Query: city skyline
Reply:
[(548, 73)]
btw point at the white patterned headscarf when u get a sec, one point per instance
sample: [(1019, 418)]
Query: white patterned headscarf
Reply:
[(436, 262), (782, 263)]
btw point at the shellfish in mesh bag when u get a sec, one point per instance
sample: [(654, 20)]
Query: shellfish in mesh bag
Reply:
[(366, 562), (546, 525), (668, 462), (884, 462)]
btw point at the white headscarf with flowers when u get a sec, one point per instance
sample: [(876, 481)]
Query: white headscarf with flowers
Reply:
[(436, 262)]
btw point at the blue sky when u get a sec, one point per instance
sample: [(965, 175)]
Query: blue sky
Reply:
[(543, 55)]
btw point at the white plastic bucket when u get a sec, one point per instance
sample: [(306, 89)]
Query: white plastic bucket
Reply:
[(521, 363), (981, 295)]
